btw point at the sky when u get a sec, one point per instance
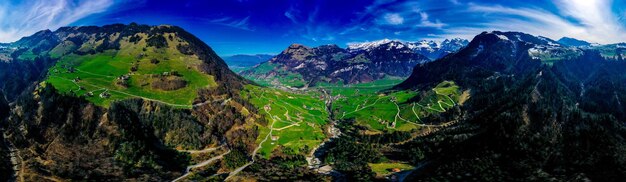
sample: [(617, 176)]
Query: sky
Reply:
[(269, 26)]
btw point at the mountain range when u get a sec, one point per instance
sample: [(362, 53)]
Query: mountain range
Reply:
[(302, 66), (429, 48), (155, 103)]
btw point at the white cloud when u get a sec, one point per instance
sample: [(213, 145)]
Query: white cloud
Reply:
[(427, 23), (600, 24), (590, 20), (393, 19), (27, 17)]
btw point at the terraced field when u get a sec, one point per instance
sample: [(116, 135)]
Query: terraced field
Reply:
[(131, 72), (295, 120), (395, 110), (298, 120)]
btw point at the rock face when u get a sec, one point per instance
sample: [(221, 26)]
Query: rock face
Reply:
[(63, 136), (333, 64), (552, 106)]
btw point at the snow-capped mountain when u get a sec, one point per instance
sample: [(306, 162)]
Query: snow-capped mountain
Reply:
[(299, 65), (429, 48)]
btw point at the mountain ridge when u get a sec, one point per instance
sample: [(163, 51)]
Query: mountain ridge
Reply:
[(515, 94), (92, 109), (330, 63)]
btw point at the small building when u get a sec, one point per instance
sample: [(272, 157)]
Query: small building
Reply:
[(123, 77), (105, 94), (274, 138)]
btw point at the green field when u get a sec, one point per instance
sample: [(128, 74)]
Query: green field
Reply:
[(297, 120), (381, 111), (384, 169), (97, 73), (284, 77)]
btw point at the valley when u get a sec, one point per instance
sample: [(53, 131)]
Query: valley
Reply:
[(154, 103)]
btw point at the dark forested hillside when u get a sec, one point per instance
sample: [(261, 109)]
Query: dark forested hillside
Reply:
[(526, 120)]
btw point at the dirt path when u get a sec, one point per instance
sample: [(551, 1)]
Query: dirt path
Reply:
[(236, 171), (200, 151), (344, 114), (203, 163), (129, 94)]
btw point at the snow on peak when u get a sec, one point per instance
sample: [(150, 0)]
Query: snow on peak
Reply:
[(502, 37), (368, 45), (432, 49)]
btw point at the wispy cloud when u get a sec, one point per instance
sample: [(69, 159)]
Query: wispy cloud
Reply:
[(242, 24), (19, 19), (425, 22), (393, 19), (591, 20)]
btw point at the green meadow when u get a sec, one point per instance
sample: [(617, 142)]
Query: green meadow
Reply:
[(372, 106), (297, 121), (97, 73)]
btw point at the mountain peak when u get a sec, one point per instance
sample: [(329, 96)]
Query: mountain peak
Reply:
[(429, 48), (515, 37), (296, 46), (368, 45), (568, 41)]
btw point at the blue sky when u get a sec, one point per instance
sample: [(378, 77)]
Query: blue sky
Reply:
[(269, 26)]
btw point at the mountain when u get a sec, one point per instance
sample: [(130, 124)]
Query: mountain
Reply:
[(537, 111), (300, 66), (243, 61), (118, 102), (573, 42), (431, 49)]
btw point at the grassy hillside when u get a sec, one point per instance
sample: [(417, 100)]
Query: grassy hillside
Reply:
[(91, 75), (296, 121), (396, 110)]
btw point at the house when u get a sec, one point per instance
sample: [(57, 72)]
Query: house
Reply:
[(274, 138), (123, 77), (105, 94)]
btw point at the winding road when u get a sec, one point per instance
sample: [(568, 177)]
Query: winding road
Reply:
[(236, 171), (203, 163)]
